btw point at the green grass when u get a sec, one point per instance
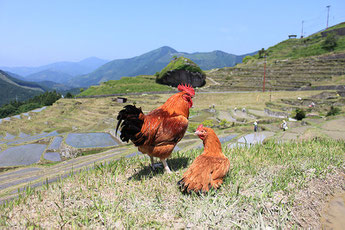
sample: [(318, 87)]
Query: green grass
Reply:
[(180, 63), (340, 25), (144, 83), (304, 47), (262, 189)]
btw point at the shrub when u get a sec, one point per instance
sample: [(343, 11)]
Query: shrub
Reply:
[(7, 110), (69, 95), (207, 123), (333, 111), (300, 114), (330, 42), (223, 123), (27, 107), (16, 107), (192, 127), (247, 58)]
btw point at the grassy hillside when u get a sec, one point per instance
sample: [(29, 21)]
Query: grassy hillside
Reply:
[(268, 186), (15, 89), (144, 83), (327, 69), (291, 64), (304, 47)]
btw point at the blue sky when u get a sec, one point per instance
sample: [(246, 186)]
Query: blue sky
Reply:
[(38, 32)]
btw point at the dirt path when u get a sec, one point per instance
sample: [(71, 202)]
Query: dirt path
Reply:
[(240, 114), (213, 81), (226, 115)]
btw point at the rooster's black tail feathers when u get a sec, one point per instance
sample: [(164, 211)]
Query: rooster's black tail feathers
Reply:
[(130, 124)]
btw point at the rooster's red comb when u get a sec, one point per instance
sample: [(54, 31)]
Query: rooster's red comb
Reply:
[(200, 127), (187, 88)]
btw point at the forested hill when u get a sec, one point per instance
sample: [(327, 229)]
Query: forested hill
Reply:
[(15, 89)]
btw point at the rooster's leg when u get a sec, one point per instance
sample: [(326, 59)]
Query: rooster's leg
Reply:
[(166, 167), (154, 165)]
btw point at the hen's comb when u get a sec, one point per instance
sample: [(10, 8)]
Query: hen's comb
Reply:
[(200, 127), (187, 88)]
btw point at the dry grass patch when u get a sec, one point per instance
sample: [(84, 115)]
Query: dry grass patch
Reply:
[(255, 100)]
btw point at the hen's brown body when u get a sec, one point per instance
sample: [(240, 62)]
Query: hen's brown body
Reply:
[(157, 133), (207, 170)]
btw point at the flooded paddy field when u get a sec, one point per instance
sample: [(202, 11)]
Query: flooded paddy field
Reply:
[(21, 155), (56, 143), (52, 156), (90, 140)]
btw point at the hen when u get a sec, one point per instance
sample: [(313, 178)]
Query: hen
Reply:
[(157, 133), (208, 169)]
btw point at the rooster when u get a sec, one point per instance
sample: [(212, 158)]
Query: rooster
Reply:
[(208, 169), (157, 133)]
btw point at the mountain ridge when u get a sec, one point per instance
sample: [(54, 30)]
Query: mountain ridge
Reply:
[(153, 61), (49, 75), (72, 68)]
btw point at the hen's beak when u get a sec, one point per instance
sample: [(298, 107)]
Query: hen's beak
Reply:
[(197, 133)]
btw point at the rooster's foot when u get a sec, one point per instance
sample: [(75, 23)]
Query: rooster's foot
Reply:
[(156, 165)]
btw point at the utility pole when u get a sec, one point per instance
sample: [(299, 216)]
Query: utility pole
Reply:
[(263, 87), (302, 29), (327, 15)]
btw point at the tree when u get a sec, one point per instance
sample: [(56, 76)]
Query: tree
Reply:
[(300, 114), (330, 42), (69, 95), (262, 53), (27, 107), (333, 111)]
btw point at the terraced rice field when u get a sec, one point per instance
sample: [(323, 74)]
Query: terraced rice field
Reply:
[(86, 126)]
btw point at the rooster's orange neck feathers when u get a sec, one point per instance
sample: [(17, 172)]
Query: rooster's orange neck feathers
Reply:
[(176, 104)]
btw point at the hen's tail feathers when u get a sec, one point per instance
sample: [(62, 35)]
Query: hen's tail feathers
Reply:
[(130, 124), (187, 187)]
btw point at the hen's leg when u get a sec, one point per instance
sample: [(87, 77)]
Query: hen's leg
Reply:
[(166, 167)]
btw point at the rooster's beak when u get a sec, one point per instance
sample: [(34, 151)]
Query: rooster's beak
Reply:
[(197, 133)]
